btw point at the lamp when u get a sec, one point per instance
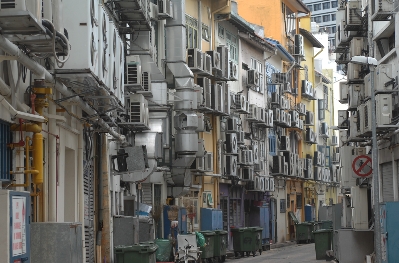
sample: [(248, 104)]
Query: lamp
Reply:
[(377, 224)]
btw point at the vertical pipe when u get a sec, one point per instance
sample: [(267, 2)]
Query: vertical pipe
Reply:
[(200, 25), (52, 167), (377, 223), (395, 177), (99, 188), (57, 15)]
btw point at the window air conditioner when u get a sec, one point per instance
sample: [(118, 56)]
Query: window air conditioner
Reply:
[(233, 71), (216, 60), (299, 46), (165, 9), (309, 119), (231, 143), (195, 60), (231, 165), (279, 78), (343, 92), (253, 78)]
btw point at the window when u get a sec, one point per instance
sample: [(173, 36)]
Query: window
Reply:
[(205, 32), (289, 20), (316, 7), (317, 19), (326, 18), (310, 7), (333, 17), (321, 108), (282, 206), (272, 143), (221, 31), (5, 151), (257, 65), (270, 69), (326, 5), (325, 96), (333, 29), (334, 4), (299, 200), (191, 32), (232, 44), (288, 200)]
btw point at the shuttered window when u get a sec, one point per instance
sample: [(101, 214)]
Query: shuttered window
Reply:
[(387, 181), (146, 191)]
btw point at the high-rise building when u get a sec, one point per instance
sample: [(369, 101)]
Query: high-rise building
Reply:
[(323, 13)]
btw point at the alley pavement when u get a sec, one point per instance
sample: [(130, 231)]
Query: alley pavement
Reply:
[(290, 254)]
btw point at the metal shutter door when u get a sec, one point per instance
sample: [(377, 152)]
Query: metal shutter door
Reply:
[(387, 181), (146, 190), (88, 188)]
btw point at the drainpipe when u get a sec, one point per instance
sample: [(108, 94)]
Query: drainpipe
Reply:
[(42, 73), (199, 25), (52, 166), (99, 188), (314, 76)]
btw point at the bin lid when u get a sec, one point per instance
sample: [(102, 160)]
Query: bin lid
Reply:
[(293, 217), (322, 231), (255, 228), (141, 248), (221, 232), (207, 233), (241, 229), (305, 224)]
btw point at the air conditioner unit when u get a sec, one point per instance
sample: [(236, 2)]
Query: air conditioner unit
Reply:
[(231, 165), (204, 95), (353, 127), (353, 72), (285, 145), (209, 162), (360, 119), (343, 92), (317, 158), (207, 63), (267, 184), (240, 137), (355, 96), (216, 95), (301, 169), (324, 130), (307, 89), (309, 169), (253, 113), (246, 108), (309, 119), (247, 173), (301, 125), (288, 119), (246, 157), (276, 115), (146, 80), (240, 103), (335, 158), (195, 60), (279, 78), (286, 88), (270, 118), (353, 15), (278, 164), (137, 111), (260, 167), (112, 46), (294, 118), (286, 169), (262, 116), (216, 60), (225, 101), (323, 159), (275, 99), (318, 173), (255, 151), (383, 6), (310, 136), (299, 46), (199, 164), (384, 80), (271, 184), (133, 73), (224, 61), (334, 140), (283, 117), (103, 41), (165, 9), (383, 108), (232, 125), (233, 71), (356, 46), (253, 78), (231, 143), (301, 108), (343, 119), (86, 37)]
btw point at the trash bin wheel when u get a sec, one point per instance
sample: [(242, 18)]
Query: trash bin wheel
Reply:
[(223, 258), (242, 254), (253, 253), (235, 254), (260, 251)]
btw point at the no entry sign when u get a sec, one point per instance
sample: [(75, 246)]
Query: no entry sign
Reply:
[(361, 166)]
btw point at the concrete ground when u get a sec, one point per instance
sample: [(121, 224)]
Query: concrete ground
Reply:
[(290, 253)]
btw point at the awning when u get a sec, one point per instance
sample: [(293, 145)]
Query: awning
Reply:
[(309, 36), (299, 6), (281, 51)]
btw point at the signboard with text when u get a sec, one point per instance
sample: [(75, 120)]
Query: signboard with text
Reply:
[(18, 226)]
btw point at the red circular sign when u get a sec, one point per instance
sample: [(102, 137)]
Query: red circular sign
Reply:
[(361, 166)]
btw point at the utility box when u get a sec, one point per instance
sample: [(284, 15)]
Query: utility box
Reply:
[(211, 219), (15, 226), (352, 246), (56, 242), (126, 231)]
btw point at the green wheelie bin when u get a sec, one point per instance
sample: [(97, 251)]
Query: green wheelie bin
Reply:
[(207, 252), (322, 241), (164, 250), (143, 253), (257, 236), (303, 232), (245, 241), (220, 248)]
